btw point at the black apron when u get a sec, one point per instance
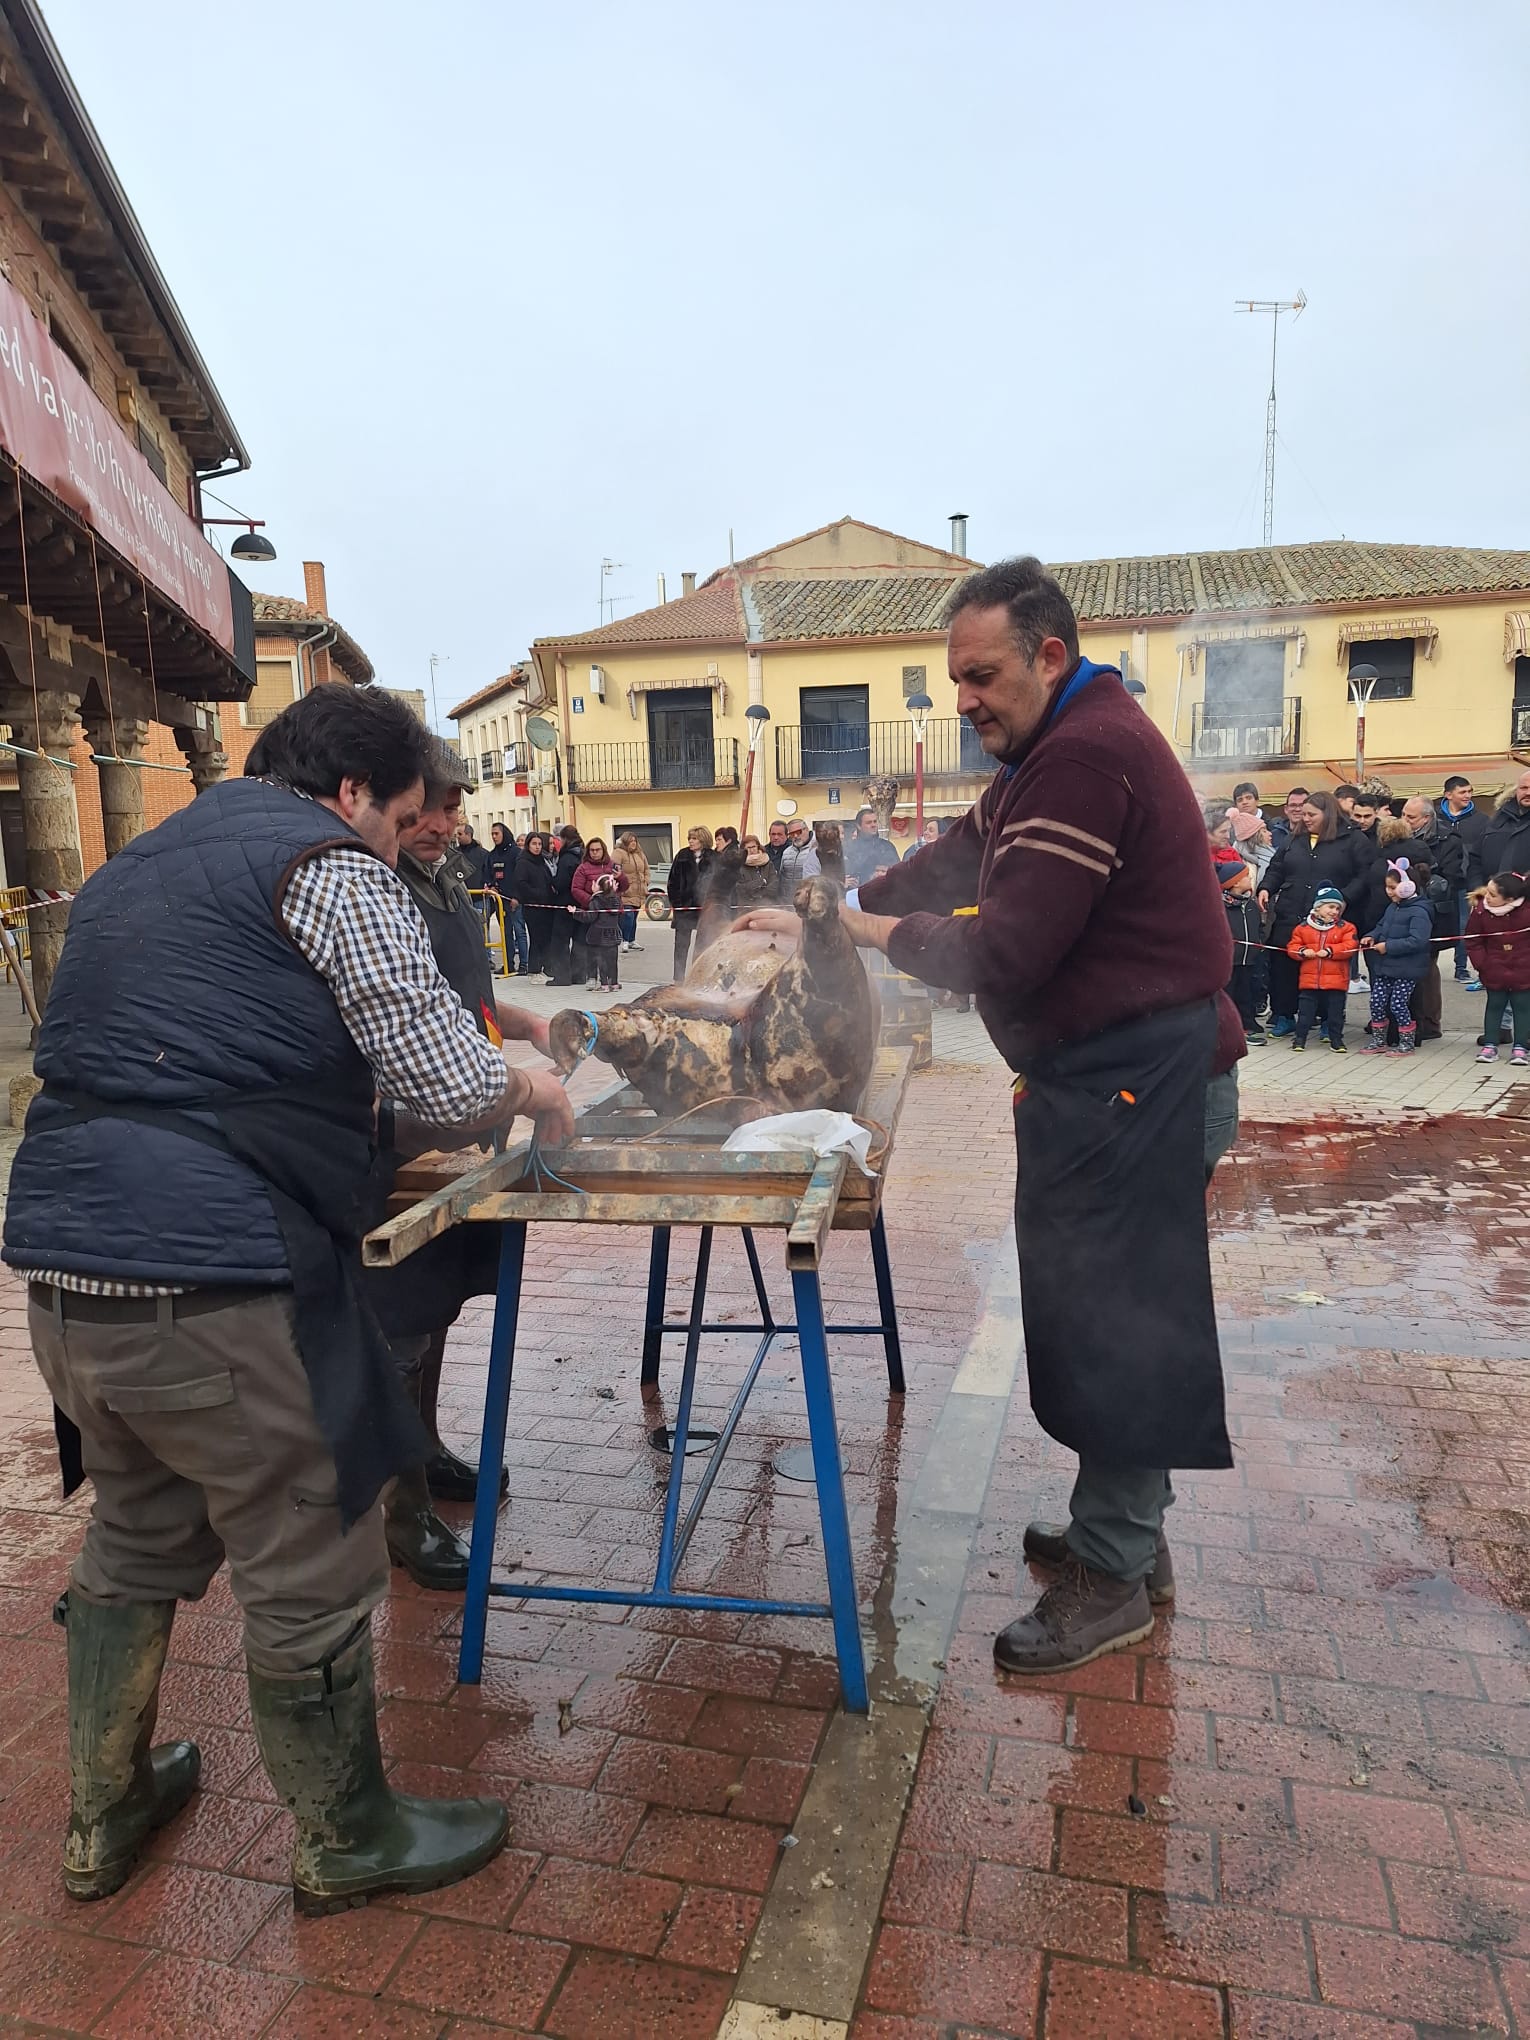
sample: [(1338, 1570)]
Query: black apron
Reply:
[(324, 1180), (1110, 1221), (427, 1292)]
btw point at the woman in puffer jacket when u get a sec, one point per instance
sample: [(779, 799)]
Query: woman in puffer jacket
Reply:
[(1322, 851)]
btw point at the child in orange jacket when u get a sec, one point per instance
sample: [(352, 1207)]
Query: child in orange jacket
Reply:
[(1323, 945)]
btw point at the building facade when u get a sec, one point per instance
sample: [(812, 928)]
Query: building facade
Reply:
[(514, 782), (298, 646), (1242, 659), (830, 632), (117, 616)]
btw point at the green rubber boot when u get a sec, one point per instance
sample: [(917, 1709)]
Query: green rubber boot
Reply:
[(356, 1836), (120, 1789)]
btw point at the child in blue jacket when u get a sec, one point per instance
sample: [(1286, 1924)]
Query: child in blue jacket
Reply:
[(1400, 955)]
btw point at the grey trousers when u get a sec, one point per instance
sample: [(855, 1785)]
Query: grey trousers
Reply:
[(200, 1439), (1117, 1513), (1221, 1116)]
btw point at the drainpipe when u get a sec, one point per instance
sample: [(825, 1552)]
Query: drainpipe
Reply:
[(567, 719), (318, 640)]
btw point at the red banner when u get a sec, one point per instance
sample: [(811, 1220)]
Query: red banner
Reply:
[(57, 428)]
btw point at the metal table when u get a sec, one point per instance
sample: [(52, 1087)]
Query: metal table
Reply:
[(629, 1167)]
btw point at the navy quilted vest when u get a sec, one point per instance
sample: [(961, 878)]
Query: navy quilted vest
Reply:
[(179, 989)]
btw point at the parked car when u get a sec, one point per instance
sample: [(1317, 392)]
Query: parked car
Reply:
[(656, 900)]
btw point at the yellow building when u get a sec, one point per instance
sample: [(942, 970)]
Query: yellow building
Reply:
[(513, 782), (1241, 658), (830, 632)]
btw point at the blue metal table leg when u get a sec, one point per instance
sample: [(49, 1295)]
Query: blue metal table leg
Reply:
[(752, 1253), (680, 1431), (829, 1475), (496, 1409), (887, 1308), (658, 1284)]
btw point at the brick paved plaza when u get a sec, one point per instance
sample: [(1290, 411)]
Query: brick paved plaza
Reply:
[(1298, 1813)]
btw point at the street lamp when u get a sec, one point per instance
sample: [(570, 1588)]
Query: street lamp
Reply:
[(1362, 685), (918, 706), (251, 546), (757, 715)]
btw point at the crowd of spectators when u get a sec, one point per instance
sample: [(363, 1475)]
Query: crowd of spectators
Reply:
[(1355, 892)]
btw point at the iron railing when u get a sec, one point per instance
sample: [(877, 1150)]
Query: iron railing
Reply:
[(641, 768), (1248, 743), (1520, 736), (807, 751)]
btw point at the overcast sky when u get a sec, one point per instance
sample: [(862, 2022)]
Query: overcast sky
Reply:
[(496, 290)]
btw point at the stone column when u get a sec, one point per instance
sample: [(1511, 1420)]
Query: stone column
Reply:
[(119, 738), (49, 817), (204, 754)]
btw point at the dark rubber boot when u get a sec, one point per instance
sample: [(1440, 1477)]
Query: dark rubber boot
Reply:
[(1080, 1617), (1047, 1543), (356, 1837), (429, 1550), (120, 1789), (449, 1478)]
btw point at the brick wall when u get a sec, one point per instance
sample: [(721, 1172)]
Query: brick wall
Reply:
[(163, 792)]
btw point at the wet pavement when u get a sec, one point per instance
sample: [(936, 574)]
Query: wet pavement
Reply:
[(1298, 1813)]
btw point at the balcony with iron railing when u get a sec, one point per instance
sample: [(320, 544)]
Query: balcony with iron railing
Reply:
[(643, 768), (807, 751), (1232, 742)]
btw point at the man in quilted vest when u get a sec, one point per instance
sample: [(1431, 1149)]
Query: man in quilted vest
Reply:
[(245, 1011)]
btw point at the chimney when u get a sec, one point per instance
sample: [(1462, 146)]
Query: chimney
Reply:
[(959, 533), (313, 586), (663, 592), (687, 584)]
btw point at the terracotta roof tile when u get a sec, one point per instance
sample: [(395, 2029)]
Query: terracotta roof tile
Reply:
[(873, 605), (516, 677), (272, 611), (739, 604), (1333, 571), (713, 615)]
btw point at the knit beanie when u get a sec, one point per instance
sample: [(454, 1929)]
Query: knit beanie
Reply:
[(1230, 871), (1244, 827), (1328, 896)]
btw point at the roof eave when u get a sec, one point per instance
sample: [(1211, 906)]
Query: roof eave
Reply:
[(43, 56), (732, 642), (1142, 619)]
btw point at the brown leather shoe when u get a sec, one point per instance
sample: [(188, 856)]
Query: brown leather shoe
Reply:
[(1047, 1544), (1082, 1617)]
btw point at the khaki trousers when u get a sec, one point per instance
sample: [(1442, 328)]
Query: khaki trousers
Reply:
[(199, 1436)]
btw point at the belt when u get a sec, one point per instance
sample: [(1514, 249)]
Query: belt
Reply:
[(137, 1310)]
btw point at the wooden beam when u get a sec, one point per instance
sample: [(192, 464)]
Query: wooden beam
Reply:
[(562, 1207)]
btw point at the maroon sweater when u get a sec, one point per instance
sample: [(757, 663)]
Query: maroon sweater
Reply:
[(1096, 900)]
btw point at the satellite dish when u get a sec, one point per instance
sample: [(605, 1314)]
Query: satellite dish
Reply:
[(542, 733)]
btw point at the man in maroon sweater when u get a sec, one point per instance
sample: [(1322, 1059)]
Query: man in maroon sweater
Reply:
[(1098, 957)]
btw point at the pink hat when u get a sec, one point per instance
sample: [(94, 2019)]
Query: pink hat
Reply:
[(1244, 826)]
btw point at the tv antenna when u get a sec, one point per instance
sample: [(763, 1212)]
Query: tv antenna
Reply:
[(607, 569), (1272, 308), (436, 659)]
